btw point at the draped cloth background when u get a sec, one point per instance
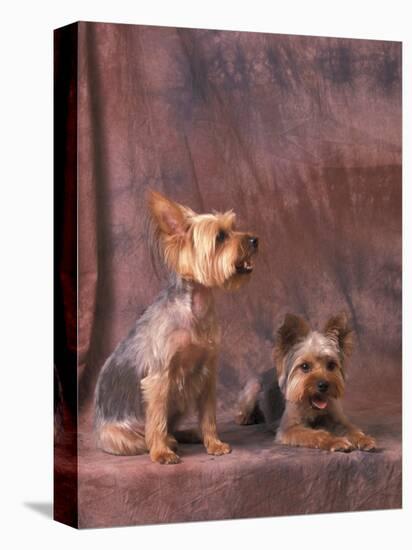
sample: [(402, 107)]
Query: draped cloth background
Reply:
[(301, 136)]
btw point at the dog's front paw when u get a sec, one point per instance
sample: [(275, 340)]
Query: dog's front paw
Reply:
[(218, 448), (164, 456), (363, 442), (341, 444), (321, 439)]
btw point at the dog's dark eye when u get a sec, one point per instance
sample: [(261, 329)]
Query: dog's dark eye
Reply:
[(331, 365), (305, 367), (221, 236)]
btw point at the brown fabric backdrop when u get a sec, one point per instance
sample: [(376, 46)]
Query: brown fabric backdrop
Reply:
[(300, 135)]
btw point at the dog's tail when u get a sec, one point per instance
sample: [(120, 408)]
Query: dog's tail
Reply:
[(121, 438), (247, 407)]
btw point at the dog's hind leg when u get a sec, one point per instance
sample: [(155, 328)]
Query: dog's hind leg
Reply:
[(247, 405), (121, 439)]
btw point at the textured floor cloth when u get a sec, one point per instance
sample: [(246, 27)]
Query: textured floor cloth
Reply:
[(259, 478)]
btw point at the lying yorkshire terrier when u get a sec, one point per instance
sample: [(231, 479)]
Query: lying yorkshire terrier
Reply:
[(166, 366), (310, 368)]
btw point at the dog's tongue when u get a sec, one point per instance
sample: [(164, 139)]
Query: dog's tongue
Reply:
[(319, 403)]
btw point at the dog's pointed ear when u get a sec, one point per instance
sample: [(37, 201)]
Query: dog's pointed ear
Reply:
[(170, 217), (293, 329), (338, 329)]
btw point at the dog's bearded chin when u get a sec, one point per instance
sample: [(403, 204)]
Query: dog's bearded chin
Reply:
[(319, 402)]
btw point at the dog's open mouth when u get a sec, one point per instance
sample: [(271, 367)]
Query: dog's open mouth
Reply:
[(319, 402), (245, 266)]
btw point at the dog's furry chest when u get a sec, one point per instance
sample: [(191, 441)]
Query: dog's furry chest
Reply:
[(189, 379), (316, 420), (191, 364)]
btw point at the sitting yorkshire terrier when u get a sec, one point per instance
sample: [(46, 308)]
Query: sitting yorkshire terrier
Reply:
[(310, 369), (166, 366)]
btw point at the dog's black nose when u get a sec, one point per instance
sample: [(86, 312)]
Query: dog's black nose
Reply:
[(254, 242), (323, 385)]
